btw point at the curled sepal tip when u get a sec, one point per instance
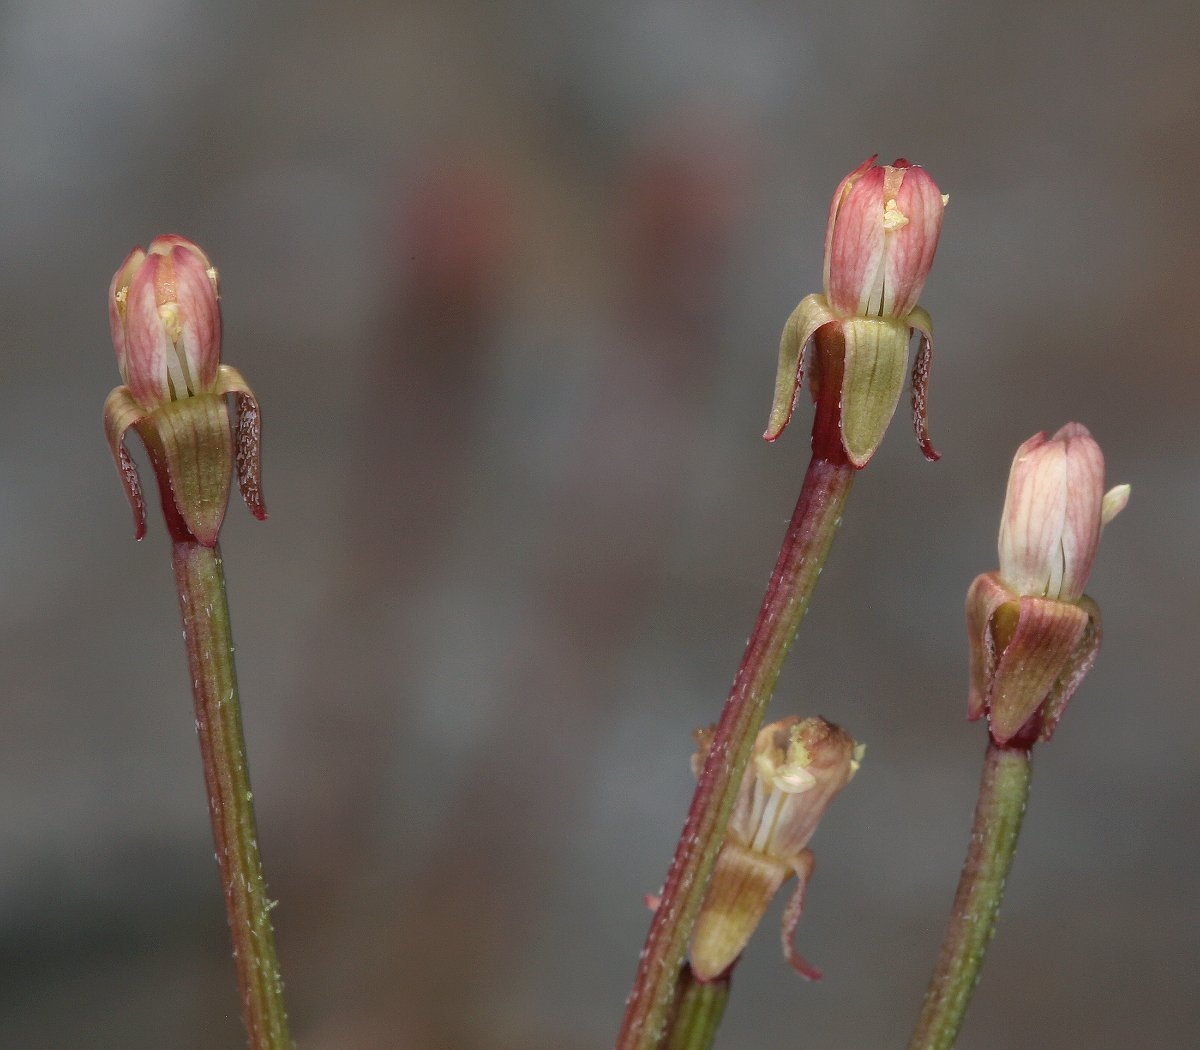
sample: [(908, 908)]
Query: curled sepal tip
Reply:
[(920, 321), (248, 439), (121, 412), (803, 865), (811, 314)]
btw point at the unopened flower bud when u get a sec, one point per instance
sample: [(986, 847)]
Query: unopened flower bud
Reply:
[(883, 230), (796, 769), (1033, 633), (165, 318), (1053, 513), (166, 321)]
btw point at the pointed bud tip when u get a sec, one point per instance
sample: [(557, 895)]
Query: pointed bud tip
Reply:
[(1115, 501)]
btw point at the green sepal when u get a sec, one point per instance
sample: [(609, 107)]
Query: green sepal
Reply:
[(121, 412), (812, 313), (876, 363), (192, 448)]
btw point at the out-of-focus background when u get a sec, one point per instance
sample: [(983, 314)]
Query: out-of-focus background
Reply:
[(508, 280)]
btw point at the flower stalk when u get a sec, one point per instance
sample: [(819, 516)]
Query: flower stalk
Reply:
[(1033, 636), (701, 1007), (164, 312), (805, 546), (200, 579), (883, 228), (1003, 792)]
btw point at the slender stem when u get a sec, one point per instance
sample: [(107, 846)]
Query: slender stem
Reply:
[(1003, 791), (698, 1015), (200, 579), (805, 546)]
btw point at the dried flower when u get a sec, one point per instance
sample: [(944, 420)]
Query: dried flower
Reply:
[(165, 316), (1034, 634), (883, 230), (796, 769)]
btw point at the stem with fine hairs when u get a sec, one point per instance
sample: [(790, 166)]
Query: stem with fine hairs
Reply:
[(200, 579), (1003, 792), (806, 544)]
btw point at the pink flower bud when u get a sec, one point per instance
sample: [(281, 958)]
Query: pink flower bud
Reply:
[(166, 322), (1033, 633), (1053, 512), (164, 310), (879, 246)]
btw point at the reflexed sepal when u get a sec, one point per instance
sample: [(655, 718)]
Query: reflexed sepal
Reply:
[(121, 412), (803, 866), (248, 440), (811, 314), (876, 362), (920, 320)]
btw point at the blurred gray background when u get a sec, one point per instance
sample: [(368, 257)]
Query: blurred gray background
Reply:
[(508, 280)]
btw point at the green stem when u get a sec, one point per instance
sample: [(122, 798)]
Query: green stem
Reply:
[(699, 1012), (201, 582), (805, 546), (1003, 791)]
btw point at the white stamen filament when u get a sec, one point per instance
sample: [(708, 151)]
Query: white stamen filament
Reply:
[(770, 817), (179, 378)]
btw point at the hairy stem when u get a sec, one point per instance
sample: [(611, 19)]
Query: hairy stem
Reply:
[(801, 557), (200, 579), (1003, 791)]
